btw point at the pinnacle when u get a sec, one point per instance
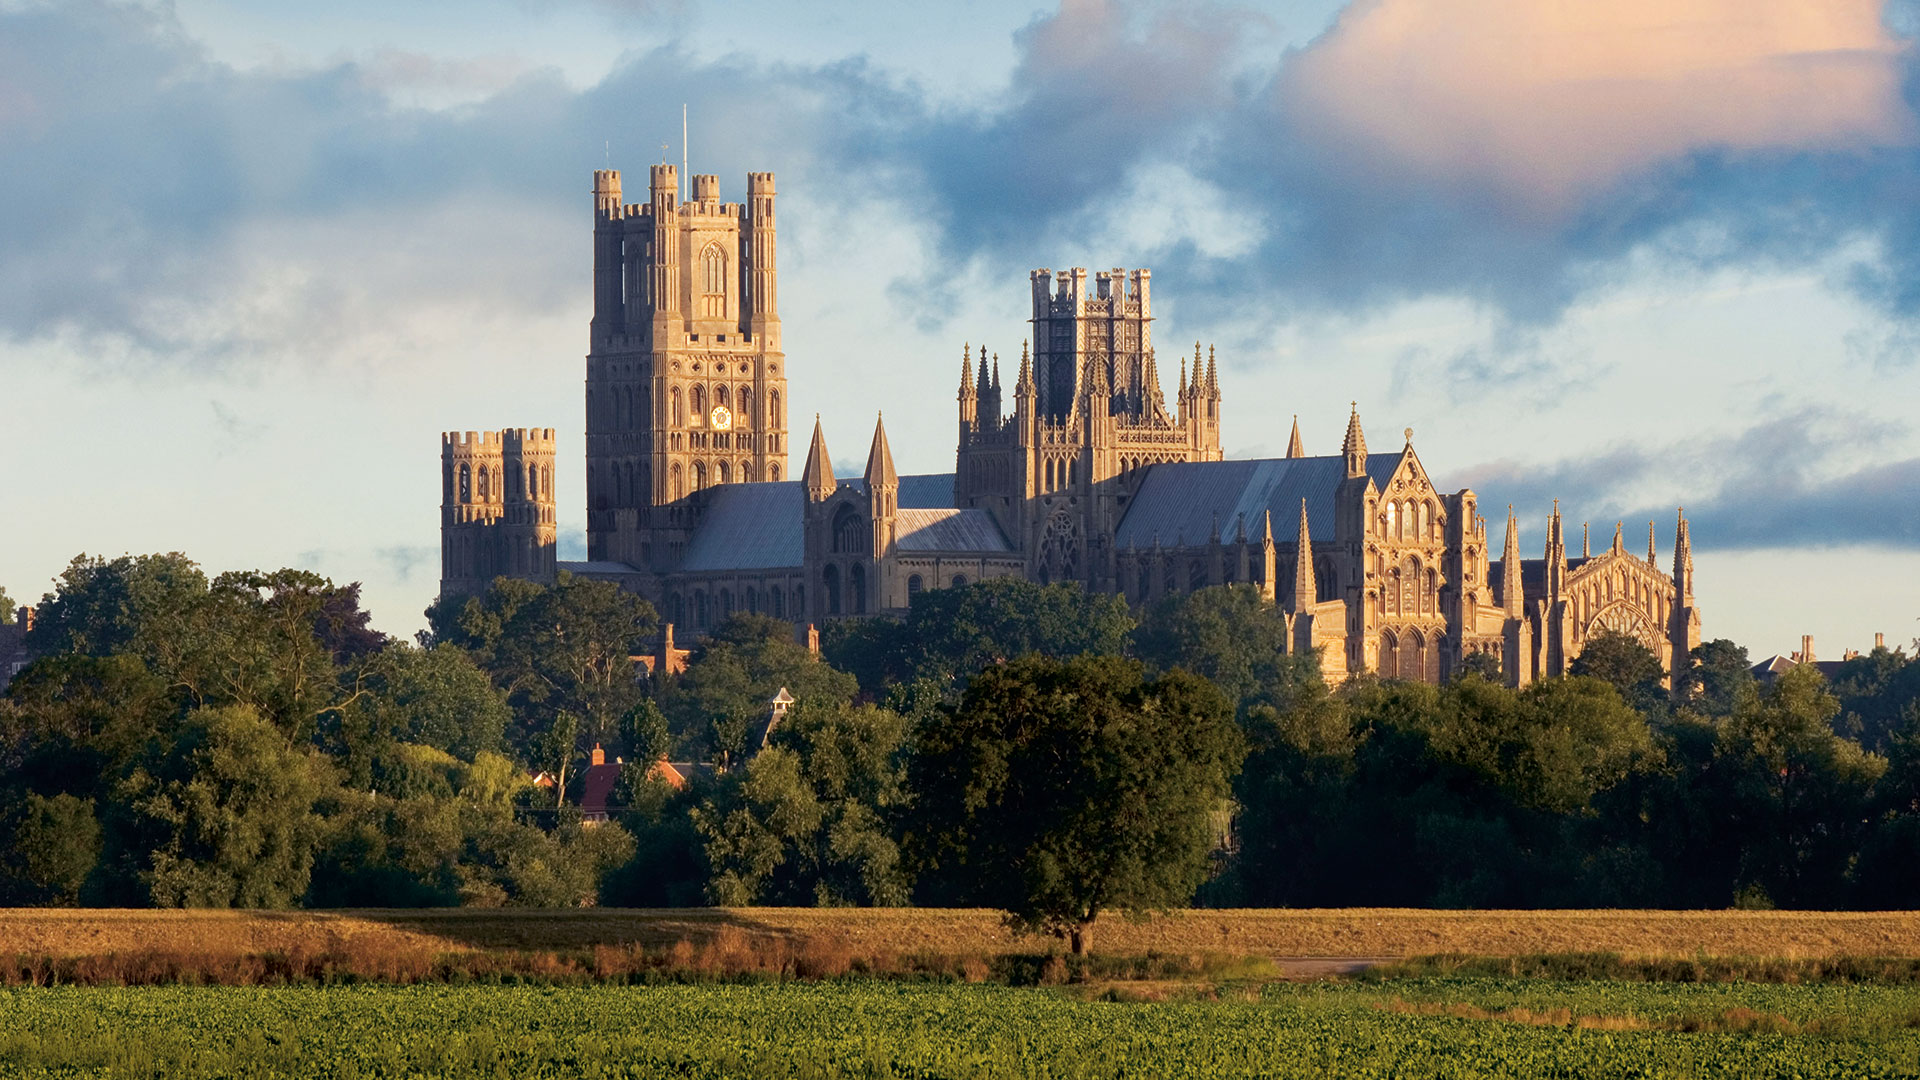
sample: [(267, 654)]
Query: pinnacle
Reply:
[(1356, 441), (818, 475), (1295, 448), (880, 472)]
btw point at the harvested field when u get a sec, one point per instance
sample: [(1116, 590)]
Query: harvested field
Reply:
[(1269, 932)]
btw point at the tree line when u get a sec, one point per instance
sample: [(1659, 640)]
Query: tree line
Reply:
[(248, 740)]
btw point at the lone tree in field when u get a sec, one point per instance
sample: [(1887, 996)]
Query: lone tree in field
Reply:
[(1059, 789)]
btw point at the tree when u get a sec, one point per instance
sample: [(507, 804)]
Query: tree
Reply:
[(1226, 633), (646, 734), (435, 697), (1620, 659), (722, 699), (957, 632), (1484, 664), (6, 607), (101, 607), (808, 819), (48, 849), (1720, 678), (224, 816), (1061, 788), (1876, 691)]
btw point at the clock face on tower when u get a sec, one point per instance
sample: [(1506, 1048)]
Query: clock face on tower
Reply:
[(722, 418)]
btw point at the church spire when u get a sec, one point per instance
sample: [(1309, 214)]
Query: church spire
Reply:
[(818, 476), (1304, 592), (1556, 552), (1213, 374), (1295, 448), (983, 380), (1511, 588), (1024, 384), (966, 369), (1683, 558), (1653, 553), (969, 400), (996, 371), (880, 460), (1586, 540), (1355, 446)]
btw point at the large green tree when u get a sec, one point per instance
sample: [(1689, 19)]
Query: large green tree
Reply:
[(1229, 635), (809, 820), (1060, 789), (722, 701), (1625, 663)]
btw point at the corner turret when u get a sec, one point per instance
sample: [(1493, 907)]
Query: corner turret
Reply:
[(818, 477)]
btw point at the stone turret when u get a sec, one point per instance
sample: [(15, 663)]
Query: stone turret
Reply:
[(818, 475)]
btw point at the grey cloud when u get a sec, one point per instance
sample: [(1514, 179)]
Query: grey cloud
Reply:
[(1787, 481)]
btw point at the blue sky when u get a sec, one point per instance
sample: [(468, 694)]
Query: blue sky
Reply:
[(254, 257)]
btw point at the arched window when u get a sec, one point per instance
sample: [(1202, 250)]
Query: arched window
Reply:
[(720, 395), (773, 471), (466, 483), (700, 607), (723, 473), (1393, 519), (858, 580), (678, 605), (699, 399), (849, 532), (484, 486), (745, 411), (726, 603), (533, 481), (778, 596), (673, 406), (959, 581), (773, 409), (1389, 654), (753, 601), (746, 472), (546, 480), (914, 584), (679, 482), (799, 601), (713, 270), (1425, 529), (830, 581), (699, 476)]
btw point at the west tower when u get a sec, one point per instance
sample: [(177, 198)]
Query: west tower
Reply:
[(497, 512), (686, 383)]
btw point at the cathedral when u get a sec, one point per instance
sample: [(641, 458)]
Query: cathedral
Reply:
[(1092, 477)]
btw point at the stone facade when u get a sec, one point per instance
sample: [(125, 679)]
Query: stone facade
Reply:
[(1091, 478)]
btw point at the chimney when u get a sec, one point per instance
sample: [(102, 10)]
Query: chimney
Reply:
[(1806, 648), (1879, 640), (599, 755), (25, 617)]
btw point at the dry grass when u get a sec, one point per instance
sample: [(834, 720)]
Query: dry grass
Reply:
[(870, 932), (1737, 1021)]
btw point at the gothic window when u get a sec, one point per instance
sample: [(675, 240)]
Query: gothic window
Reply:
[(849, 532), (723, 473), (773, 472), (1146, 581), (483, 486), (720, 395), (745, 411), (1060, 548), (1393, 519), (914, 584), (726, 603), (1389, 654), (466, 484), (1413, 656), (713, 270), (857, 582), (799, 601), (678, 605), (673, 405), (830, 581), (959, 581), (679, 488), (746, 472), (699, 607), (1196, 575), (699, 476), (533, 482), (546, 480), (773, 408), (778, 597), (1425, 532), (753, 601), (699, 399)]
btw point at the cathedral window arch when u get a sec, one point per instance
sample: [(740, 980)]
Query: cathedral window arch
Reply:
[(484, 487), (959, 581), (746, 472), (723, 473), (849, 532), (1393, 519), (745, 411), (673, 406), (678, 481), (698, 397), (466, 483), (857, 587), (720, 395), (799, 601), (726, 603), (699, 607), (1426, 531), (713, 270), (533, 481), (773, 408), (776, 598), (773, 472), (915, 583), (699, 476)]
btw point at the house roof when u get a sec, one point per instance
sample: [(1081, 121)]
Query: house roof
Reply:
[(596, 784), (949, 530), (1182, 500)]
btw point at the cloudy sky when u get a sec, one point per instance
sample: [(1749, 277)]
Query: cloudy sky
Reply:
[(255, 256)]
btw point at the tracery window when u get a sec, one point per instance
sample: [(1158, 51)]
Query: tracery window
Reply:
[(713, 270), (484, 497), (673, 405), (466, 484)]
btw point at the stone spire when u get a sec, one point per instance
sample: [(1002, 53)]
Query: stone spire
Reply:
[(966, 369), (969, 399), (984, 380), (1510, 581), (1355, 446), (1295, 448), (1586, 545), (818, 476), (996, 371), (879, 460), (1683, 558), (1653, 553), (1024, 384), (1213, 373), (1556, 552), (1304, 591)]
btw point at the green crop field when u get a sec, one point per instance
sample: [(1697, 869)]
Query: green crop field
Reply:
[(1398, 1028)]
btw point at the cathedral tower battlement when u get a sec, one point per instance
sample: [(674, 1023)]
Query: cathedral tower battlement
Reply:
[(497, 512)]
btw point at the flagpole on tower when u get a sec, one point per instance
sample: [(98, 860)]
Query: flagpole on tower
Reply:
[(684, 180)]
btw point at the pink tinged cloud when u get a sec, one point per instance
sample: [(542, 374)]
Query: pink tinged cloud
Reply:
[(1541, 103)]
